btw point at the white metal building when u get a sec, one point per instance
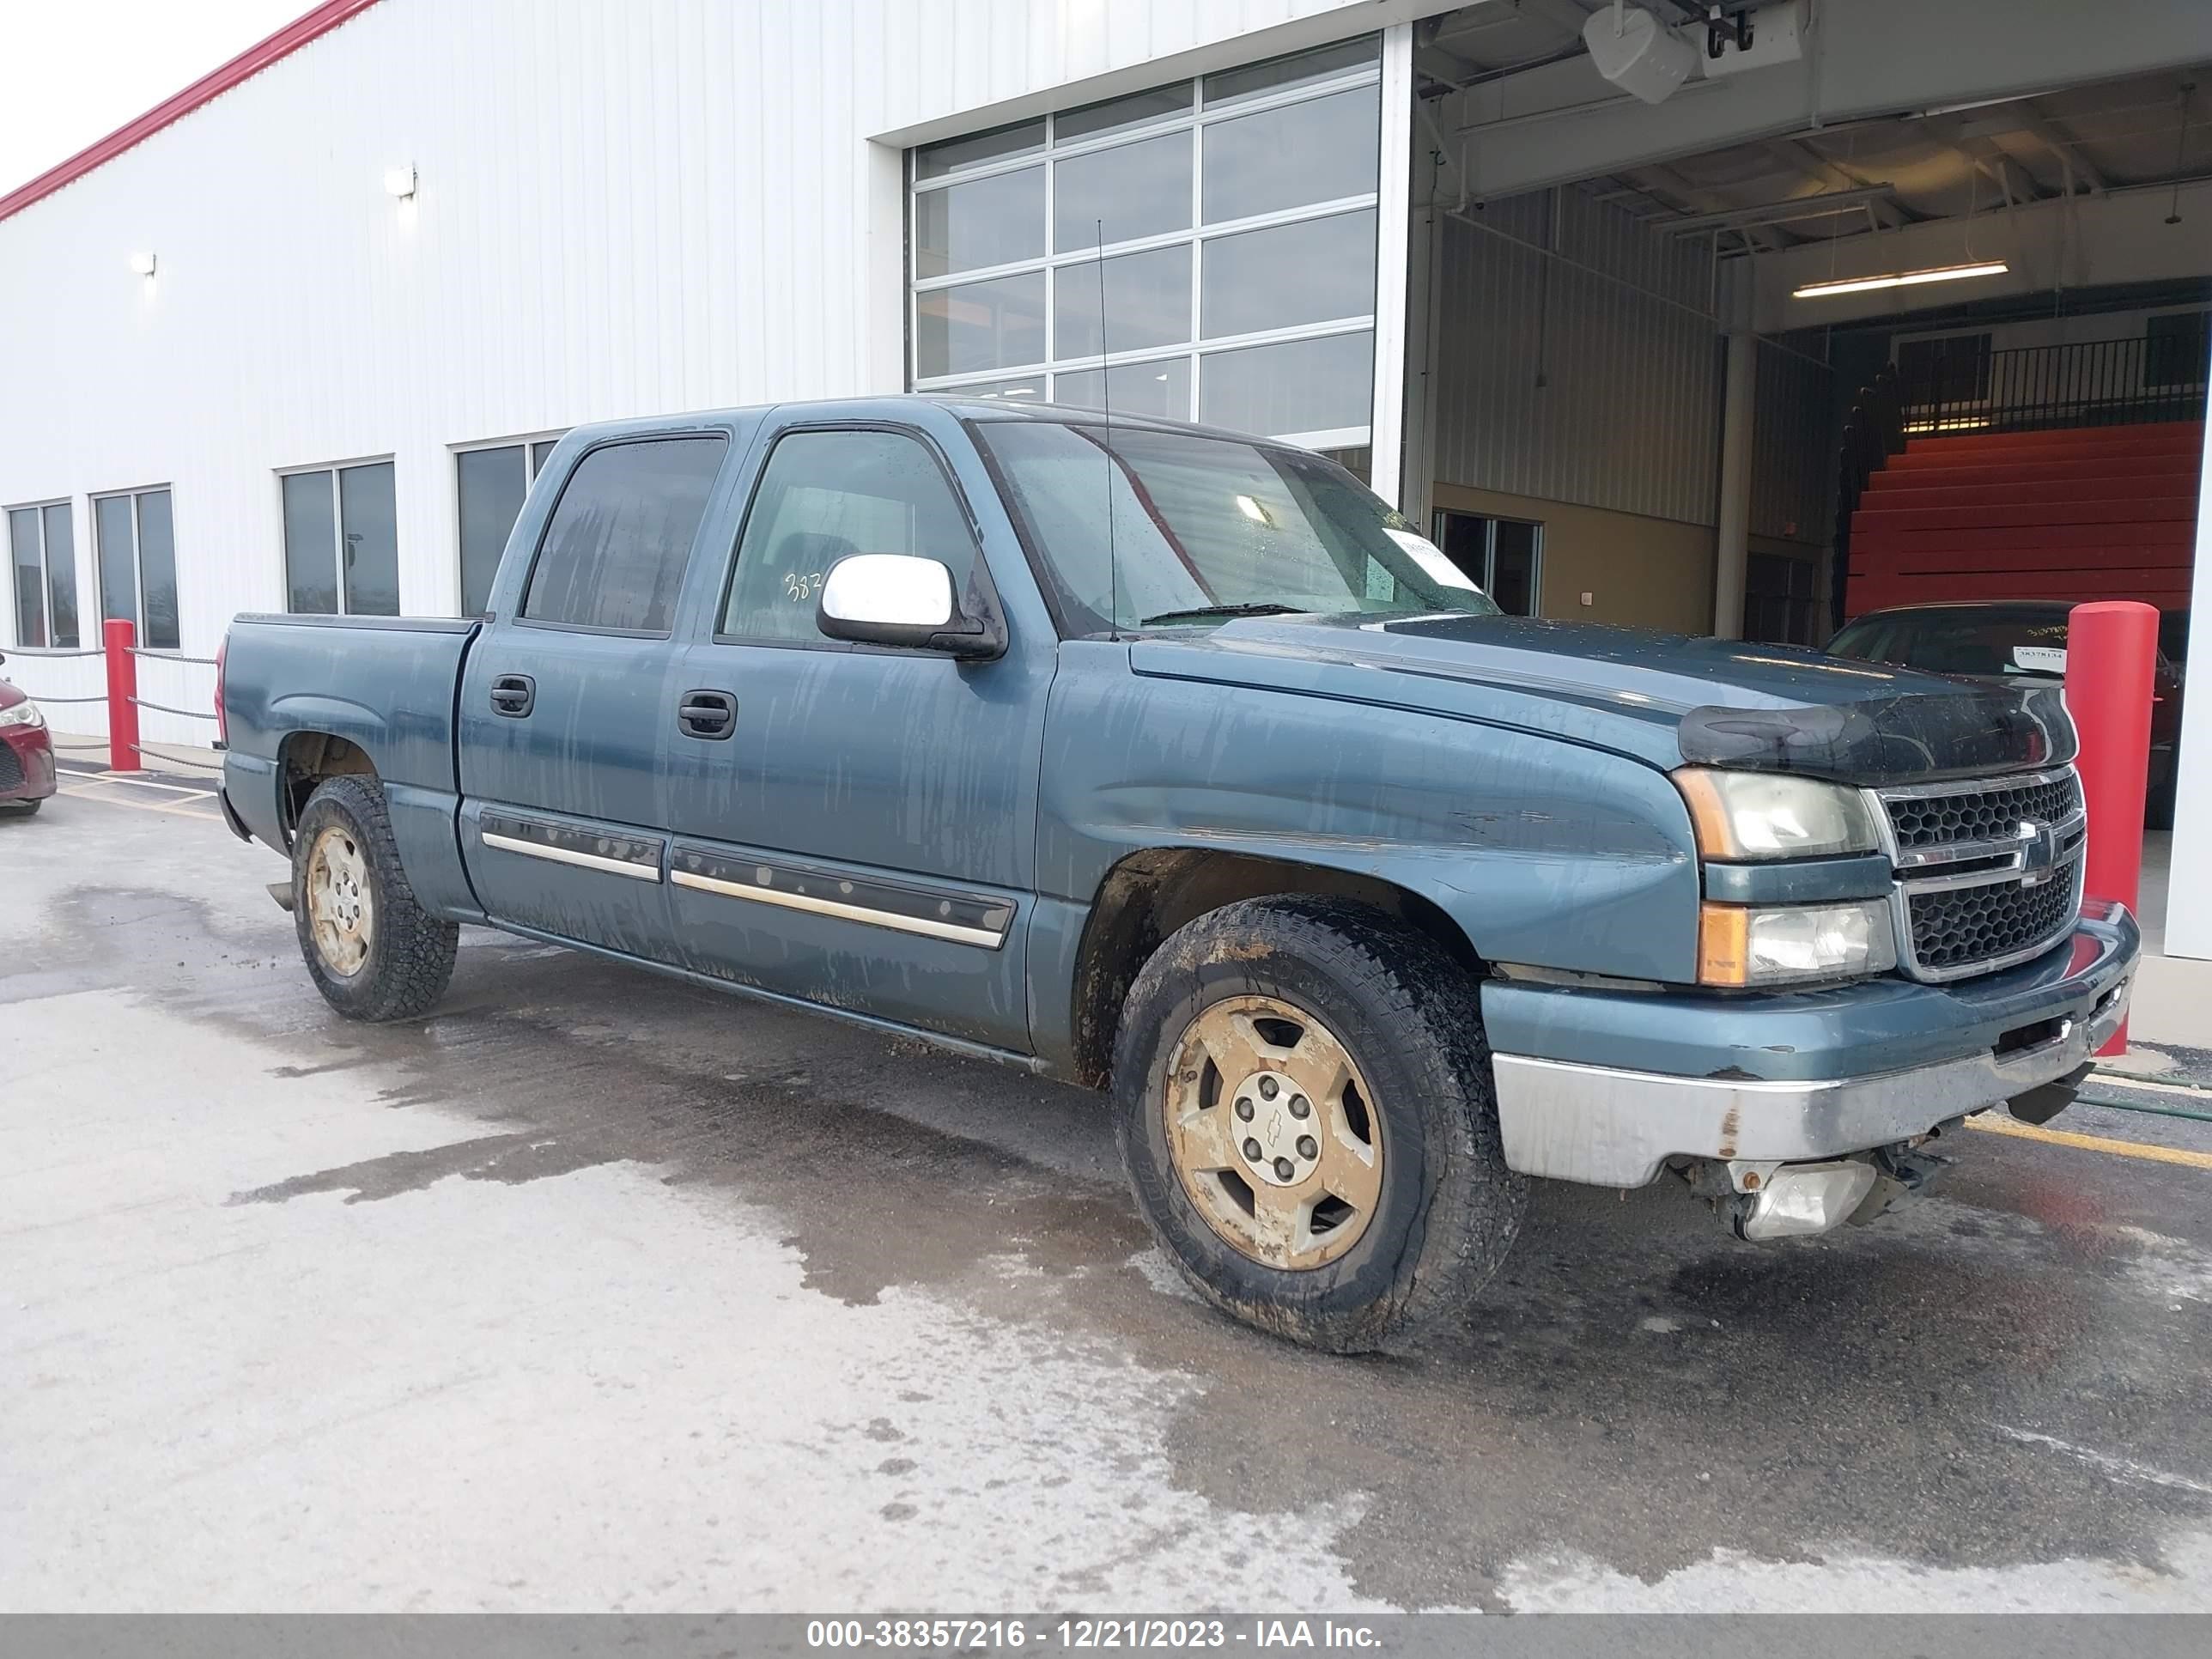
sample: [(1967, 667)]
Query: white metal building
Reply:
[(296, 339)]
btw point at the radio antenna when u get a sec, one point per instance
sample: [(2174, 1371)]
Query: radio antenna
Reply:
[(1106, 401)]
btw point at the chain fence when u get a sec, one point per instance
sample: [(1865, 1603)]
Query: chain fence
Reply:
[(82, 744)]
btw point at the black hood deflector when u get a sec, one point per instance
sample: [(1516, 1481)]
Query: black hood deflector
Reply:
[(1966, 732)]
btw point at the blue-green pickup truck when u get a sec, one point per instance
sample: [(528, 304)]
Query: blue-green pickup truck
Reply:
[(1174, 763)]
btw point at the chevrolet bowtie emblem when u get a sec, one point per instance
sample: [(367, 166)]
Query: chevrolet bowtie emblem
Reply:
[(2038, 854)]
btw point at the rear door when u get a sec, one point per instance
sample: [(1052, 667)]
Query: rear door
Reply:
[(863, 835), (569, 699)]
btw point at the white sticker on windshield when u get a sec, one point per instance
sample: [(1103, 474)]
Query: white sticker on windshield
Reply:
[(1431, 557), (2040, 659)]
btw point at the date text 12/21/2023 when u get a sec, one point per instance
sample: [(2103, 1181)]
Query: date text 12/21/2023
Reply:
[(1147, 1634)]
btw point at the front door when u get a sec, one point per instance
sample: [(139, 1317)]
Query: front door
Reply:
[(569, 701), (863, 835)]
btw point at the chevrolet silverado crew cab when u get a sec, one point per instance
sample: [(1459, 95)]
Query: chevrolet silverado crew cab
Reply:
[(1174, 763)]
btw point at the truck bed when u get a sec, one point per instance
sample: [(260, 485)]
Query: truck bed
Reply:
[(384, 684)]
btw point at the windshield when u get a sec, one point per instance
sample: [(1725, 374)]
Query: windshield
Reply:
[(1205, 529), (1994, 641)]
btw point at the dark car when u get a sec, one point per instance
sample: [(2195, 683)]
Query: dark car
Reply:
[(2019, 640), (27, 753)]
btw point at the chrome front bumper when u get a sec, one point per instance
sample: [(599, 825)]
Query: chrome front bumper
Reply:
[(1610, 1128)]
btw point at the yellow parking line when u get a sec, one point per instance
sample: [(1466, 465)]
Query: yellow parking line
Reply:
[(198, 791), (181, 811), (1990, 1123)]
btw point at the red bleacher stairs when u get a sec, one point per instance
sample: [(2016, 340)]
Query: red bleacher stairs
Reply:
[(2089, 512)]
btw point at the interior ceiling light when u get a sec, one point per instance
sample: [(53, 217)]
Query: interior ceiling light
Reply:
[(1900, 279)]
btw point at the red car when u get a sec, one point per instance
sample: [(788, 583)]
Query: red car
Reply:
[(27, 753)]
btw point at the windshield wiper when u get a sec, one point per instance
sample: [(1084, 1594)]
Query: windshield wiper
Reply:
[(1220, 613)]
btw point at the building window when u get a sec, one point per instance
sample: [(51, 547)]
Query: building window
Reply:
[(1778, 599), (341, 541), (42, 548), (136, 546), (2176, 350), (1501, 556), (490, 484), (1204, 251), (616, 547)]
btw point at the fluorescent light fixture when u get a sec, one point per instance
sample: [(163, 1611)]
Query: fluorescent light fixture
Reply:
[(142, 265), (399, 181), (1899, 279), (1948, 423)]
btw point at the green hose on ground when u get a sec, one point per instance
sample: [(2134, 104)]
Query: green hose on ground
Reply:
[(2155, 1111)]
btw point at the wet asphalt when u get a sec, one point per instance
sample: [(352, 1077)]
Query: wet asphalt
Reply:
[(593, 1289)]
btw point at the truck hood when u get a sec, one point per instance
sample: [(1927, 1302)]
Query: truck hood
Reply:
[(1665, 699)]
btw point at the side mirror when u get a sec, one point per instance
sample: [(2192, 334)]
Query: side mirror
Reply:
[(896, 599)]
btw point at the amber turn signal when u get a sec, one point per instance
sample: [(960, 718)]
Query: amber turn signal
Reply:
[(1709, 813), (1723, 945)]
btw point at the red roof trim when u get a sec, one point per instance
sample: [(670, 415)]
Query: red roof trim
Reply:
[(250, 62)]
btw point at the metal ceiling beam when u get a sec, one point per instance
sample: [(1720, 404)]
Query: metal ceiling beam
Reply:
[(1562, 14), (1948, 134), (1822, 170), (1471, 76), (1771, 236), (1878, 59), (1824, 206), (2025, 117)]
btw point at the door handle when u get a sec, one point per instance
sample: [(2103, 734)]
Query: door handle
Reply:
[(708, 714), (512, 695)]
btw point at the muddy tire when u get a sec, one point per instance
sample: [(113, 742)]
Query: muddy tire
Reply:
[(1305, 1106), (373, 951)]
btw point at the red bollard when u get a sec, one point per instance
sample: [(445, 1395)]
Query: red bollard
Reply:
[(2111, 652), (119, 636)]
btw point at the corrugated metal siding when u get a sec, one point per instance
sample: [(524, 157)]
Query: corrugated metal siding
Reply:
[(623, 207), (1793, 455), (1556, 383)]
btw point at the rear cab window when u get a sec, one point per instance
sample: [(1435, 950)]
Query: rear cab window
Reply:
[(613, 554)]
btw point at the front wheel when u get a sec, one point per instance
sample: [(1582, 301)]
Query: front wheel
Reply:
[(1306, 1111), (373, 951)]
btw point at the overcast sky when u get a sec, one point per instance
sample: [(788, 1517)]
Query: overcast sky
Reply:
[(74, 72)]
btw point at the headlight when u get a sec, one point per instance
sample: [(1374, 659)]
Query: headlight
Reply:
[(25, 713), (1770, 815), (1747, 944)]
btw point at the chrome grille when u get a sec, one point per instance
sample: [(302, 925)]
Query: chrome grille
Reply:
[(1966, 927), (1988, 870), (1981, 811)]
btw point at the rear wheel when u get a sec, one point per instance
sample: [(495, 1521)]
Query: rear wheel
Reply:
[(1307, 1114), (373, 951)]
